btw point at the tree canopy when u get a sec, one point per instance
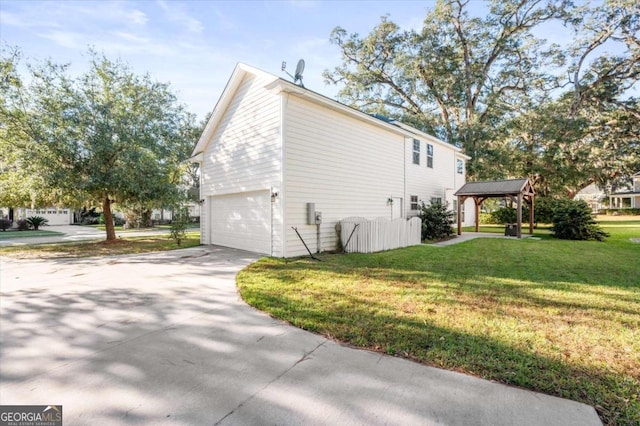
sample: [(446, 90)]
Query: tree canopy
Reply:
[(108, 136), (513, 101)]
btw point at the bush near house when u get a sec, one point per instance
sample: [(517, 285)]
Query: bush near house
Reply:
[(5, 224), (437, 221), (179, 225), (572, 220), (37, 221), (117, 221), (544, 208), (23, 225)]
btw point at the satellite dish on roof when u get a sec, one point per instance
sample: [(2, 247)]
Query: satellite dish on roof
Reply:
[(297, 78)]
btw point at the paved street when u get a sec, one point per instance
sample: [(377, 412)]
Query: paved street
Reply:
[(72, 233), (164, 339)]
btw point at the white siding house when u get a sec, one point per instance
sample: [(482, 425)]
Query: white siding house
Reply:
[(271, 147), (54, 215)]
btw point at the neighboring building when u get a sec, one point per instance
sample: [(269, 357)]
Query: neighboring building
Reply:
[(627, 199), (271, 147), (593, 196), (54, 215), (167, 214)]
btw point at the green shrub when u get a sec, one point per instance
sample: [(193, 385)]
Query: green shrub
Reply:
[(5, 224), (508, 215), (37, 221), (504, 215), (179, 225), (544, 208), (89, 220), (572, 220), (437, 221), (23, 225), (485, 218)]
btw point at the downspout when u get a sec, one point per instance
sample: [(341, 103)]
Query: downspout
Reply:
[(283, 190), (404, 172)]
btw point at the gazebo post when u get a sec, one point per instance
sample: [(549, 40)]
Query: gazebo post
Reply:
[(519, 216), (460, 201), (531, 214), (477, 203)]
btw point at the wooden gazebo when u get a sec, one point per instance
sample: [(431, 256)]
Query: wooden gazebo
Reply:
[(518, 190)]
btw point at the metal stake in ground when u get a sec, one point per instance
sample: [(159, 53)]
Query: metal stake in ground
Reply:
[(344, 249), (305, 244)]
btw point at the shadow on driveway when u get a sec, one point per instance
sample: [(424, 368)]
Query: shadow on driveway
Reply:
[(163, 338)]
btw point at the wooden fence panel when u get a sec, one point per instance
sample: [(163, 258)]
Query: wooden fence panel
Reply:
[(379, 234)]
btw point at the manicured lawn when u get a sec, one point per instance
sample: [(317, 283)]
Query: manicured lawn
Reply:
[(129, 245), (559, 317), (6, 235)]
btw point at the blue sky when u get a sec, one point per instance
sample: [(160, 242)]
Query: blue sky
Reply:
[(195, 45)]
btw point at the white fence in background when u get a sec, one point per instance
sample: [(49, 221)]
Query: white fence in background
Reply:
[(379, 234)]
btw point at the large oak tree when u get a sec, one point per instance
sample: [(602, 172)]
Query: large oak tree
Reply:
[(475, 81), (106, 137)]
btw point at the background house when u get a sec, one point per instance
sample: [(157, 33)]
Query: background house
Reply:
[(627, 199), (54, 215), (271, 147), (592, 195)]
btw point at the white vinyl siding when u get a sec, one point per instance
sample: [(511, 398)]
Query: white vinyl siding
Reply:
[(440, 181), (244, 152), (345, 166)]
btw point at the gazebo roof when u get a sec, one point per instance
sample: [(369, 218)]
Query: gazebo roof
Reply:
[(496, 188)]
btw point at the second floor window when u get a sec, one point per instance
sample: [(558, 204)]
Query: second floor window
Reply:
[(430, 156), (460, 166), (416, 151)]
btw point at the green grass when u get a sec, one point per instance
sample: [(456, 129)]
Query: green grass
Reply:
[(8, 235), (559, 317), (128, 245)]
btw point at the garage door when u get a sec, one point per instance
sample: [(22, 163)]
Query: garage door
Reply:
[(242, 221)]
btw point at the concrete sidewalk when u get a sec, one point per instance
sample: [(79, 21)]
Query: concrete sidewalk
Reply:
[(74, 233), (164, 339), (466, 236)]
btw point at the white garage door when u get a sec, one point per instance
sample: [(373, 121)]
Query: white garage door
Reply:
[(242, 221)]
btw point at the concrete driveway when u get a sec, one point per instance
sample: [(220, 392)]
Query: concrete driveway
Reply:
[(164, 339)]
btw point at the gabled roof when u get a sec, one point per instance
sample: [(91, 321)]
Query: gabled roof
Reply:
[(278, 85), (495, 188)]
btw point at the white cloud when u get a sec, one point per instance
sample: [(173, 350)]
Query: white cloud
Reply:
[(12, 19), (138, 17), (66, 39), (176, 13)]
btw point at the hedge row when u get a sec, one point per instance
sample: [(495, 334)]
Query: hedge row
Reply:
[(620, 212)]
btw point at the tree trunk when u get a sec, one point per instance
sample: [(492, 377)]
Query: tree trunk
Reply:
[(108, 219)]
